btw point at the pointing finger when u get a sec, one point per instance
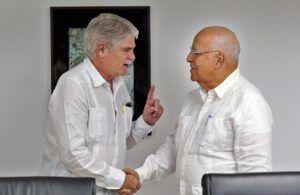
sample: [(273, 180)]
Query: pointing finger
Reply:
[(156, 105), (151, 93)]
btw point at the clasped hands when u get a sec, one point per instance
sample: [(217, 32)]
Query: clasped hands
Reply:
[(131, 184)]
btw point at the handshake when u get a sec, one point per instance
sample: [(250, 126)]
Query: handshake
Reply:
[(131, 183)]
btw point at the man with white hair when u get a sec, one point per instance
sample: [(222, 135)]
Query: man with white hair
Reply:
[(224, 126), (90, 121)]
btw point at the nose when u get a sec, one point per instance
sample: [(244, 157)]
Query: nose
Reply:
[(131, 55), (189, 57)]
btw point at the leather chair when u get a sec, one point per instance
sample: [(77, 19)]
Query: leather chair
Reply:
[(263, 183), (47, 186)]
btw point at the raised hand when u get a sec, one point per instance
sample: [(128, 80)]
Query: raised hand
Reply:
[(152, 110), (131, 183)]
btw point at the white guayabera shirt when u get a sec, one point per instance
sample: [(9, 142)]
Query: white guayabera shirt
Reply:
[(90, 128), (226, 130)]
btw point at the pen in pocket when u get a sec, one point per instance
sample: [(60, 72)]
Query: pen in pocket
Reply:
[(208, 118), (128, 104)]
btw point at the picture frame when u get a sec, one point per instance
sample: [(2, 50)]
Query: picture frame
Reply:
[(67, 27)]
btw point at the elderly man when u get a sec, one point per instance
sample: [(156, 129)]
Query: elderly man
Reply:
[(90, 123), (224, 125)]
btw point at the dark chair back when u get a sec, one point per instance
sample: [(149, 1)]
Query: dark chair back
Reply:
[(47, 186), (266, 183)]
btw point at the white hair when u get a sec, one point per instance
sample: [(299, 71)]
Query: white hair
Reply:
[(231, 45), (108, 28)]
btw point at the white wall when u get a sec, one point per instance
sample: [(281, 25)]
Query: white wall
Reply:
[(268, 31)]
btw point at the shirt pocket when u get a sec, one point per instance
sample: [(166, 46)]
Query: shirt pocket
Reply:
[(97, 124), (128, 119), (219, 134)]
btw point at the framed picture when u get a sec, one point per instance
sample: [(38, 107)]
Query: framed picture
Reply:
[(67, 29)]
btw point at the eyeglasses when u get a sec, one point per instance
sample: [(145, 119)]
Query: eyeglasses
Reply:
[(196, 53)]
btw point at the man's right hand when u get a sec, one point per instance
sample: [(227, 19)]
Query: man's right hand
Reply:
[(131, 183)]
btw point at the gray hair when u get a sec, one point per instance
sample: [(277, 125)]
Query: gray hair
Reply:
[(108, 28)]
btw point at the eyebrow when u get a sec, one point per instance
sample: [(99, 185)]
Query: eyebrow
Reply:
[(127, 48)]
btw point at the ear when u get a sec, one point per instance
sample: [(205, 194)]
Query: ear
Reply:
[(100, 49), (219, 60)]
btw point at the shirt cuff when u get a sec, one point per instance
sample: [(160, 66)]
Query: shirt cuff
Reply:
[(117, 178), (141, 174), (142, 124), (141, 129)]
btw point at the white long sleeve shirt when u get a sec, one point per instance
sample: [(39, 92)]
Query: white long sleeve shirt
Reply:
[(226, 130), (90, 128)]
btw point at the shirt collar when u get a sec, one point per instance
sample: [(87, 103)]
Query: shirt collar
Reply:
[(203, 93), (222, 88), (97, 78)]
